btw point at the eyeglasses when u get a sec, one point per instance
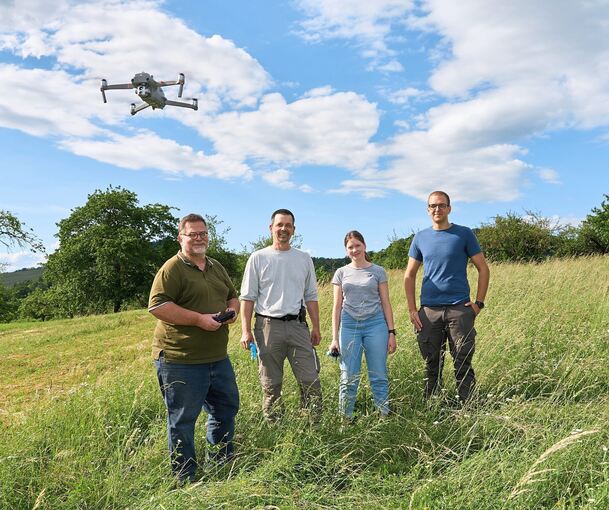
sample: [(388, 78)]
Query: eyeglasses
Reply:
[(437, 206), (194, 235)]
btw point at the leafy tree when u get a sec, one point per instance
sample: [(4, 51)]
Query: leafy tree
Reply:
[(514, 238), (594, 230), (14, 232), (109, 250), (395, 256)]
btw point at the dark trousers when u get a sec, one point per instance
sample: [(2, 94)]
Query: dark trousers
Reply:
[(188, 389), (454, 324)]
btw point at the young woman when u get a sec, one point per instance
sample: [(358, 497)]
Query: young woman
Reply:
[(362, 322)]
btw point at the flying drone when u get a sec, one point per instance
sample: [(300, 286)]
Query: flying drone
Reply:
[(150, 91)]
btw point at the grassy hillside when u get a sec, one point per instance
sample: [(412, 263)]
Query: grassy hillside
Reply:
[(83, 421), (21, 275)]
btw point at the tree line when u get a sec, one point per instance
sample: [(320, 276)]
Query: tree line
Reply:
[(111, 247)]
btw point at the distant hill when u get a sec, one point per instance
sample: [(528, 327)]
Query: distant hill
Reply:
[(21, 275)]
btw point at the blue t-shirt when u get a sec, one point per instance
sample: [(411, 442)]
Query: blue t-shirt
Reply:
[(444, 254)]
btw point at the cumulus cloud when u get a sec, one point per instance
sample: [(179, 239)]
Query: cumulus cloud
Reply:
[(147, 150), (367, 23), (17, 260), (506, 72), (322, 128)]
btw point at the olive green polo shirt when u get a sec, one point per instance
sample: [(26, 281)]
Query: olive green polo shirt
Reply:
[(181, 282)]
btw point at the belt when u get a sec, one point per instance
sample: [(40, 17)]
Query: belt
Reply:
[(288, 317)]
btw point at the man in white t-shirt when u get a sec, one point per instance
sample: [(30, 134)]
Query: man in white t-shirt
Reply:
[(279, 281)]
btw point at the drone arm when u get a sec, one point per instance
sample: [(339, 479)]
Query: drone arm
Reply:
[(179, 81), (117, 86), (194, 105)]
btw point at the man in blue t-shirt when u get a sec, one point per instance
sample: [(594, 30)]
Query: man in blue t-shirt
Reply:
[(446, 312)]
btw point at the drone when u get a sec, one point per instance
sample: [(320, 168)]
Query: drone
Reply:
[(151, 92)]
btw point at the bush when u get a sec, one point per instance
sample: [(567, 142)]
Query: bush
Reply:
[(515, 238)]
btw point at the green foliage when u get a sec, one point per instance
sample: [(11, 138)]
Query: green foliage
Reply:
[(21, 275), (514, 238), (109, 250), (594, 230), (14, 232), (395, 256)]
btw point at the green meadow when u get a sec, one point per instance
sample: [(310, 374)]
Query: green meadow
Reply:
[(83, 423)]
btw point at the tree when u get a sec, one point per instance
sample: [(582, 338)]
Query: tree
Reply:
[(14, 232), (395, 256), (594, 230), (109, 251), (514, 238)]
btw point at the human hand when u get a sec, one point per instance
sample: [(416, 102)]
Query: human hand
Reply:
[(246, 340), (416, 320), (208, 323), (473, 306), (334, 346), (315, 337), (392, 344)]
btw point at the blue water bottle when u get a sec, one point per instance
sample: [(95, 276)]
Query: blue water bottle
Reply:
[(253, 351)]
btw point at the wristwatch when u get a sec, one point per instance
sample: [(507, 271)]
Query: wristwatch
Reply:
[(479, 304), (392, 331)]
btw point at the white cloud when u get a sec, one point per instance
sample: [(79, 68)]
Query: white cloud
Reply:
[(147, 150), (332, 129), (46, 103), (404, 96), (17, 260), (116, 39), (508, 72), (548, 175), (279, 178), (367, 23)]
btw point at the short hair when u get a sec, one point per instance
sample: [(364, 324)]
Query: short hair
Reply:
[(282, 211), (354, 234), (443, 193), (190, 218)]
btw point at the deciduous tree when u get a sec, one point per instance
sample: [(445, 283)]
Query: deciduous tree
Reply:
[(109, 250)]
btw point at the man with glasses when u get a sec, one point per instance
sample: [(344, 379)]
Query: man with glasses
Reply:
[(280, 280), (190, 348), (447, 312)]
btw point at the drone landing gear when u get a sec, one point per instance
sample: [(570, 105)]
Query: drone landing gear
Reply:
[(139, 108)]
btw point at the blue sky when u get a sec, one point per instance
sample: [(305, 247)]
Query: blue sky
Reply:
[(346, 112)]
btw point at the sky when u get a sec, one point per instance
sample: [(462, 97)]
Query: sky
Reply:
[(346, 112)]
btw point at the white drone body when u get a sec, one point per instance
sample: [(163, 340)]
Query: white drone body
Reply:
[(151, 92)]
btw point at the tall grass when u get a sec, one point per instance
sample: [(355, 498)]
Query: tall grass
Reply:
[(84, 424)]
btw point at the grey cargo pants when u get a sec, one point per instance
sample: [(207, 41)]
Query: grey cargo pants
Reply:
[(454, 323), (277, 340)]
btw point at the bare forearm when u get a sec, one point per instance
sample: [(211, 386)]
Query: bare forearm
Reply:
[(247, 310), (175, 314), (409, 288), (313, 309)]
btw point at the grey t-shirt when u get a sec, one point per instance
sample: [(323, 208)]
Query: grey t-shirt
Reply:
[(361, 297)]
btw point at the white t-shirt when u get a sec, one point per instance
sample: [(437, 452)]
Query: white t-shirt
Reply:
[(279, 281)]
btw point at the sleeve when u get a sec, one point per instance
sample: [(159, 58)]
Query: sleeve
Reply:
[(415, 250), (165, 287), (310, 293), (249, 284), (382, 274), (472, 247), (337, 279)]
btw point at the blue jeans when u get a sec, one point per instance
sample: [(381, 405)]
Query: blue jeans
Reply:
[(368, 336), (187, 389)]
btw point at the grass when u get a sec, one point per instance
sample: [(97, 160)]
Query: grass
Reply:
[(84, 424)]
